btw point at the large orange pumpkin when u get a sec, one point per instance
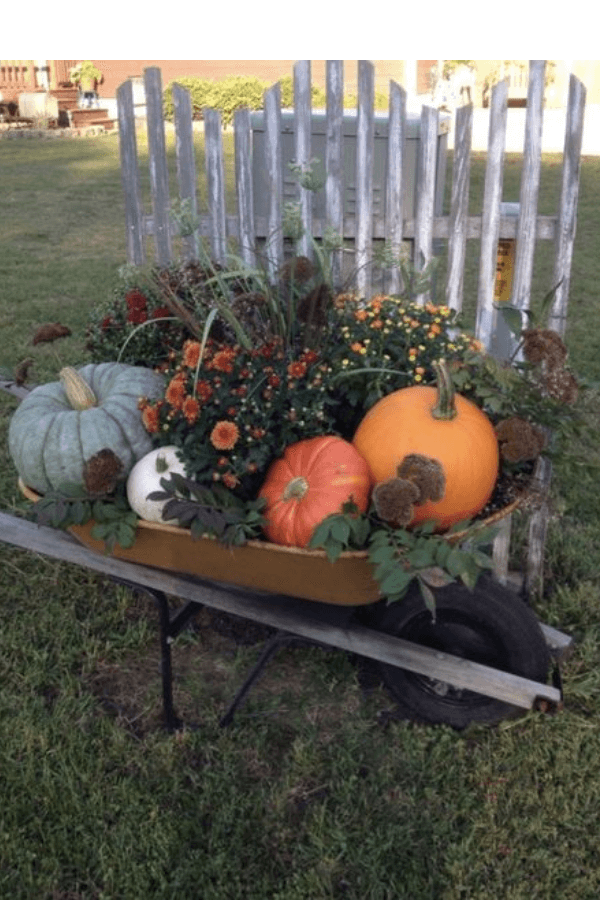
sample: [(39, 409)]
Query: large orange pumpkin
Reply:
[(312, 480), (437, 423)]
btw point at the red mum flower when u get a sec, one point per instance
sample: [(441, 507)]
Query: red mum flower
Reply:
[(230, 480), (137, 316), (161, 312), (204, 390), (136, 301), (224, 435), (297, 369)]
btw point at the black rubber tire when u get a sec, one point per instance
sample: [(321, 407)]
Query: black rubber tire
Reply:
[(489, 625)]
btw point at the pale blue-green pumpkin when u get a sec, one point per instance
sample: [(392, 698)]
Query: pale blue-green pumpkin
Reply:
[(61, 425)]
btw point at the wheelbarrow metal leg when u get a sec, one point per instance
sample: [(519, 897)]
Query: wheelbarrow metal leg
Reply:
[(270, 648)]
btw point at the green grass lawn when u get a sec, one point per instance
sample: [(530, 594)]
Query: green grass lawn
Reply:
[(315, 791)]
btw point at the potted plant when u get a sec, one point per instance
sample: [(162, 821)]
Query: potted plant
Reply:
[(86, 76)]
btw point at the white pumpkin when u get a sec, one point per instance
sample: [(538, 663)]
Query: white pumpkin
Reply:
[(145, 478)]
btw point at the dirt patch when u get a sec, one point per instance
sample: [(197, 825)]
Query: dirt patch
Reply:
[(210, 661)]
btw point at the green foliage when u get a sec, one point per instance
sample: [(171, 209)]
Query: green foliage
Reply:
[(318, 96), (319, 789), (114, 520), (227, 95), (380, 101), (398, 556), (213, 511)]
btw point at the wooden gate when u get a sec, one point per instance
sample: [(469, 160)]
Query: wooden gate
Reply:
[(424, 225)]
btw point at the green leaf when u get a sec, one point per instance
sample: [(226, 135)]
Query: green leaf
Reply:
[(396, 582), (513, 318)]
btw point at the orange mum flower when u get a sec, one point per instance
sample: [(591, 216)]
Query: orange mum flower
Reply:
[(224, 435), (175, 392), (191, 354), (223, 361), (191, 408), (150, 419)]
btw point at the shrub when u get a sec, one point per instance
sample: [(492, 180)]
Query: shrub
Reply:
[(226, 95), (318, 95)]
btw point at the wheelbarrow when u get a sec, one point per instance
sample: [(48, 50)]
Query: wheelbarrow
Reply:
[(484, 657)]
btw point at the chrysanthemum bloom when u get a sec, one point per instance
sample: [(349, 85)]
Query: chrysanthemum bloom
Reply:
[(191, 354), (175, 393), (161, 312), (223, 361), (150, 419), (191, 408), (230, 480), (297, 369), (204, 390), (224, 435), (135, 300)]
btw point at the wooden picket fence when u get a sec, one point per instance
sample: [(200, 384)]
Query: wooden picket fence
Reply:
[(424, 226)]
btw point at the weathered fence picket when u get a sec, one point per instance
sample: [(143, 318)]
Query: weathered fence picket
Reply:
[(425, 225)]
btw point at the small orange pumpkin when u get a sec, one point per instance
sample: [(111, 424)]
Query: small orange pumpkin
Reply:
[(312, 480), (442, 425)]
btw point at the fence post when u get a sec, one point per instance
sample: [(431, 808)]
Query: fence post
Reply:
[(186, 163), (334, 187), (530, 183), (302, 142), (274, 179), (130, 176), (159, 173), (365, 129), (567, 211), (459, 207), (215, 180), (394, 214), (426, 171), (244, 189), (490, 219)]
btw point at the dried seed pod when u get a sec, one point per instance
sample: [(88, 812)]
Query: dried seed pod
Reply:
[(519, 440), (312, 309), (561, 385), (298, 269), (394, 501), (45, 334), (542, 345), (22, 370), (101, 472), (426, 474)]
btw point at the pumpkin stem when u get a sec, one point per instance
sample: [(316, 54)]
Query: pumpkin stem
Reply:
[(161, 464), (79, 393), (445, 407), (295, 489)]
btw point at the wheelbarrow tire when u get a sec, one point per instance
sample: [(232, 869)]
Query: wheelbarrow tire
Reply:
[(490, 625)]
